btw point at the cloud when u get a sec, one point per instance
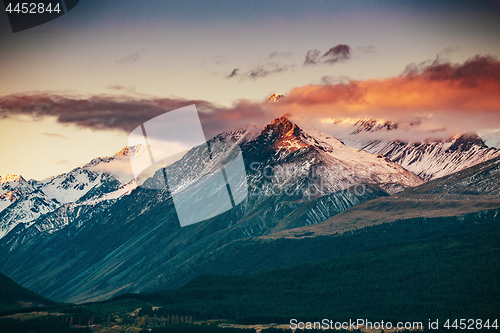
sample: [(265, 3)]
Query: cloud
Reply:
[(55, 135), (261, 71), (311, 57), (338, 53), (473, 73), (459, 97), (277, 54), (268, 69), (125, 113), (128, 59), (233, 73), (62, 162)]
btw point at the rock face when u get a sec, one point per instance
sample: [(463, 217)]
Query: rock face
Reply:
[(116, 239)]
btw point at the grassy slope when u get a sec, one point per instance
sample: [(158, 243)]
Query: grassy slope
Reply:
[(391, 209)]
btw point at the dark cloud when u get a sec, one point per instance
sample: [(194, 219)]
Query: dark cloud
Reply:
[(125, 113), (55, 135), (128, 59), (233, 73), (268, 69), (338, 53), (469, 74), (311, 57), (261, 71)]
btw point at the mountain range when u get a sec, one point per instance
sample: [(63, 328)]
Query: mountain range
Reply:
[(428, 159), (93, 233)]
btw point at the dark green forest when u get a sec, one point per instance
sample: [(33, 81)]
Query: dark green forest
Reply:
[(410, 270), (452, 270)]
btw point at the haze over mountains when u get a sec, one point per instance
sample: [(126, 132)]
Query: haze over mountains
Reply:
[(92, 233)]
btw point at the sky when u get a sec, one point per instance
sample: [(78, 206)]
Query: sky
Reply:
[(74, 88)]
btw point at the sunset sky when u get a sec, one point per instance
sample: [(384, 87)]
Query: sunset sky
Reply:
[(72, 89)]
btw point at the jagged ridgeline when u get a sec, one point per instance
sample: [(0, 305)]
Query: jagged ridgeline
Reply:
[(117, 237), (78, 248)]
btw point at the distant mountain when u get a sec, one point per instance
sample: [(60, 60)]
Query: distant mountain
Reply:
[(25, 210), (275, 97), (13, 187), (13, 296), (428, 160), (22, 202), (93, 249)]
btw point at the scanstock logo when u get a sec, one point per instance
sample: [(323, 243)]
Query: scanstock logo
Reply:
[(28, 14), (208, 181)]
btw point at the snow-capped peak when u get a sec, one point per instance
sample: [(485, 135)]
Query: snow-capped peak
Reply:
[(285, 145), (280, 125), (275, 97), (428, 159), (131, 150), (239, 136), (11, 178), (372, 125)]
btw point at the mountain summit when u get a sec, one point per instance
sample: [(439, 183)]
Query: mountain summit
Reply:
[(11, 178), (326, 160), (275, 97)]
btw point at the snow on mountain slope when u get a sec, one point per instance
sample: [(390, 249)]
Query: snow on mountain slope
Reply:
[(22, 202), (239, 136), (26, 210), (492, 139), (72, 186), (12, 188), (429, 159), (335, 165)]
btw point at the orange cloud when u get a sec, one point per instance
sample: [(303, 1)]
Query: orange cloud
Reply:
[(456, 95)]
